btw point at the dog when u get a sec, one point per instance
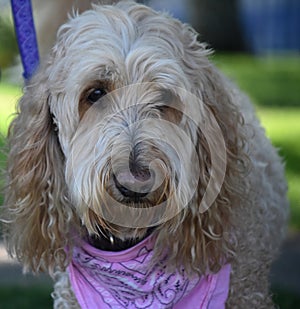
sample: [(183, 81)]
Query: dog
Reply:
[(138, 175)]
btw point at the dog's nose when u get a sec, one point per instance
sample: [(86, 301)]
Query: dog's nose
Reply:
[(134, 184)]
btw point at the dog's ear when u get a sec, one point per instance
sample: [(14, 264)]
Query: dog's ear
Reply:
[(35, 199), (205, 237)]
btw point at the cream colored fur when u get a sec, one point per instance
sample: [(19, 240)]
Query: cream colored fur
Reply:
[(122, 45)]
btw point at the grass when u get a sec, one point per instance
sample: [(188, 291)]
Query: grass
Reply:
[(270, 81), (273, 84), (33, 296), (260, 78), (283, 127), (285, 299), (25, 297), (8, 97)]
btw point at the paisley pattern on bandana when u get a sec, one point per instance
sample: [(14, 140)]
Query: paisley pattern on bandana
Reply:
[(123, 280)]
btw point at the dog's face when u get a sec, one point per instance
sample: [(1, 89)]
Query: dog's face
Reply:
[(126, 127), (126, 121), (128, 162)]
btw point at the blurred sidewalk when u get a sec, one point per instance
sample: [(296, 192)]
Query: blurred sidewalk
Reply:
[(11, 273), (285, 273)]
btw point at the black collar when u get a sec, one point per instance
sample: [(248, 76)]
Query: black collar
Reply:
[(108, 242)]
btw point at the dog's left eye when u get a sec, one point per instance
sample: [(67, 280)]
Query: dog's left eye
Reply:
[(95, 94)]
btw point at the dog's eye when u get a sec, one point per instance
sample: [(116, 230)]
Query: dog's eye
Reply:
[(169, 113), (161, 108), (95, 94)]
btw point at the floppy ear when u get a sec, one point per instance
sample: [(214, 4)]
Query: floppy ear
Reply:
[(206, 236), (35, 200)]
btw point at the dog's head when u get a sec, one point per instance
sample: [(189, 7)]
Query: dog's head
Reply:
[(126, 129)]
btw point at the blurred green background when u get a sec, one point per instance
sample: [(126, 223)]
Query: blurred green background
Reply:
[(271, 79)]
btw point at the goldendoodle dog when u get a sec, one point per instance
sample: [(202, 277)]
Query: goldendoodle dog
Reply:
[(138, 175)]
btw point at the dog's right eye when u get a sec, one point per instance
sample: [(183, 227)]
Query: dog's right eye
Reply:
[(95, 94)]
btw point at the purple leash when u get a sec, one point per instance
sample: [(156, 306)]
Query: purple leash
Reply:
[(26, 36)]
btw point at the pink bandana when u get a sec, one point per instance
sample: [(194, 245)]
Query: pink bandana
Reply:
[(103, 279)]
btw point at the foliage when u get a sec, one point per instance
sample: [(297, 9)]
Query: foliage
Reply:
[(9, 95), (8, 44), (283, 128), (270, 81)]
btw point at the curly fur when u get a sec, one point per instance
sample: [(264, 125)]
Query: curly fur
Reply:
[(127, 44)]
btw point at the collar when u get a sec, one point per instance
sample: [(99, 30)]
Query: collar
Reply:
[(109, 242)]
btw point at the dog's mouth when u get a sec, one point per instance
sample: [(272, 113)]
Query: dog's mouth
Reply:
[(126, 202), (134, 189)]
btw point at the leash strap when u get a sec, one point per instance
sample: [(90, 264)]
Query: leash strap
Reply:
[(26, 36)]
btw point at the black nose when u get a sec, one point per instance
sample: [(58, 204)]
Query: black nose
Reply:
[(126, 192)]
